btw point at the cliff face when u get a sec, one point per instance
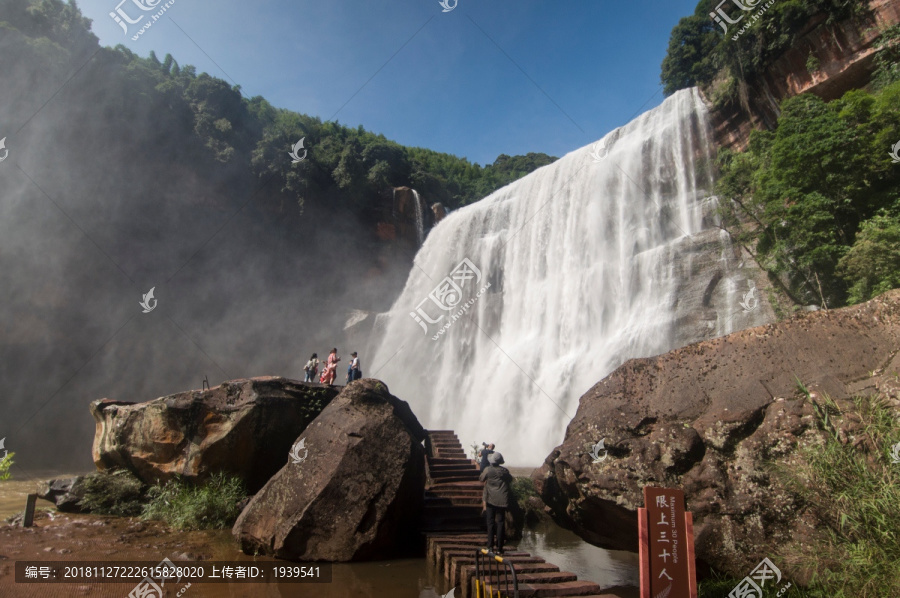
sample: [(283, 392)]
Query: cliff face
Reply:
[(845, 54)]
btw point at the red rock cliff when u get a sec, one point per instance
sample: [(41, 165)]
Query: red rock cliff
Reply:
[(845, 52)]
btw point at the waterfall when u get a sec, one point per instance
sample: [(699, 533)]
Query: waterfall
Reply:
[(555, 280), (420, 219)]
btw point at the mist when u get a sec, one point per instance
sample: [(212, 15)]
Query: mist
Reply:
[(100, 202)]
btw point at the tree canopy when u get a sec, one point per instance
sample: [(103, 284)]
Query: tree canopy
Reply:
[(346, 166), (701, 51), (819, 197)]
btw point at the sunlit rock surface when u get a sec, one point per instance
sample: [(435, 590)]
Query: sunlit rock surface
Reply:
[(709, 418), (244, 427), (355, 489)]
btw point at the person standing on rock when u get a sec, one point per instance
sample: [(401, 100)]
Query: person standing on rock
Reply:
[(331, 367), (485, 453), (311, 368), (495, 500), (353, 372)]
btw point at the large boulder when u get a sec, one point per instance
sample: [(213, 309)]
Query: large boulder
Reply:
[(243, 427), (357, 491), (711, 418)]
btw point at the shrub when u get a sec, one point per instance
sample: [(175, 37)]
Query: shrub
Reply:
[(184, 506), (872, 266), (522, 489), (119, 493), (5, 463)]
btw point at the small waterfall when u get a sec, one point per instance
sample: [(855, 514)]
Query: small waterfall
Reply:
[(518, 304), (420, 219)]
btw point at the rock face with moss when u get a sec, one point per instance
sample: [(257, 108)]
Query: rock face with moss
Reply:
[(243, 427), (720, 419), (353, 490)]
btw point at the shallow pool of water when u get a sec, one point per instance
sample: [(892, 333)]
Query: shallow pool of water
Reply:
[(563, 548), (384, 579)]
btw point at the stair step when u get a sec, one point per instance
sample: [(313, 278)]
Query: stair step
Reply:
[(460, 527), (458, 512), (450, 479), (463, 485), (539, 577), (566, 588), (455, 501), (455, 493), (466, 468), (475, 518)]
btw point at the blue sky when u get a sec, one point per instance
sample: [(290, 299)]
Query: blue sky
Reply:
[(489, 77)]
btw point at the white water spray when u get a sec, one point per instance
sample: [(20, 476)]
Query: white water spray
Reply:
[(586, 260)]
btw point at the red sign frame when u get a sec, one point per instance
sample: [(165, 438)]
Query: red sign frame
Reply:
[(666, 545)]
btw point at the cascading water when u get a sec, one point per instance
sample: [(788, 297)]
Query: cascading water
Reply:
[(420, 219), (571, 271)]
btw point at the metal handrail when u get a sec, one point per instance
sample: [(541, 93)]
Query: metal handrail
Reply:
[(484, 572)]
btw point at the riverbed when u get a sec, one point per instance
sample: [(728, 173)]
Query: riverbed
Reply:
[(70, 537)]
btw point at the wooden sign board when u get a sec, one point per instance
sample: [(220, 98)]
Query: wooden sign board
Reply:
[(666, 545)]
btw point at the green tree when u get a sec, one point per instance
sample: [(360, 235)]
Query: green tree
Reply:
[(872, 266), (801, 193), (691, 57)]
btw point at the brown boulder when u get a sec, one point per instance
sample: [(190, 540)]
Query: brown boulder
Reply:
[(357, 492), (710, 418), (65, 493), (244, 427)]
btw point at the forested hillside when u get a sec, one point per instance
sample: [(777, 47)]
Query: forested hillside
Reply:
[(816, 199), (702, 52), (345, 166), (126, 174)]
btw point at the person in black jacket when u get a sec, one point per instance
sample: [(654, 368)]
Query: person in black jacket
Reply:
[(487, 450), (495, 500)]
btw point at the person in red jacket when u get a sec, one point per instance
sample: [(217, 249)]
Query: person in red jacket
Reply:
[(331, 367)]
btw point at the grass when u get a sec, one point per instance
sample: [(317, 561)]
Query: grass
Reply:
[(184, 506), (717, 586), (119, 493), (853, 488)]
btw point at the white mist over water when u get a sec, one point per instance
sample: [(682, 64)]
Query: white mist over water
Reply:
[(585, 261)]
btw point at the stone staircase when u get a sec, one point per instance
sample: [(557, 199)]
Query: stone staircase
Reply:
[(453, 492), (454, 529), (453, 557)]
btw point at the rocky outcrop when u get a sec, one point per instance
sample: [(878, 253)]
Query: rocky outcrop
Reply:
[(243, 427), (354, 492), (407, 220), (709, 418), (844, 52), (719, 288), (438, 211), (65, 493)]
